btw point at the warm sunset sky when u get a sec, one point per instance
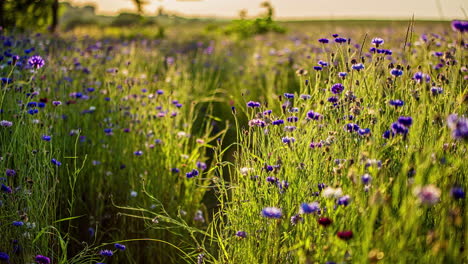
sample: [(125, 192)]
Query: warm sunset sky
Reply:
[(435, 9)]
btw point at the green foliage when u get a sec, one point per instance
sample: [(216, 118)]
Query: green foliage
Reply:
[(245, 28), (26, 14)]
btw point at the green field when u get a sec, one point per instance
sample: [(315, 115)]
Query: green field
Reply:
[(194, 146)]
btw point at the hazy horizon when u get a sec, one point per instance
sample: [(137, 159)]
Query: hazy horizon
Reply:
[(297, 9)]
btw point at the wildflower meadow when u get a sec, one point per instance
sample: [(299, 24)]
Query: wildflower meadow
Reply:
[(321, 143)]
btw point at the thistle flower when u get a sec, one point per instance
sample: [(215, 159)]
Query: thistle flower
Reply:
[(106, 253), (324, 221), (36, 62), (345, 235), (428, 195), (272, 212), (309, 208), (42, 259)]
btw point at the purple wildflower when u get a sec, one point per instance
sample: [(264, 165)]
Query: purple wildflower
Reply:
[(272, 212)]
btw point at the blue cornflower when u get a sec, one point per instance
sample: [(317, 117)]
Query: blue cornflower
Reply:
[(272, 212), (364, 132), (460, 25), (344, 200), (36, 62), (289, 95), (351, 127), (4, 257), (106, 253), (175, 170), (41, 105), (253, 104), (377, 41), (318, 68), (396, 72), (201, 165), (457, 193), (305, 96), (323, 63), (292, 119), (10, 172), (119, 246), (340, 40), (398, 128), (5, 189), (313, 115), (419, 77), (333, 99), (241, 234), (323, 40), (138, 153), (56, 162), (436, 91), (33, 111), (17, 223), (342, 74), (309, 208), (46, 137), (31, 104), (337, 88), (192, 173), (366, 179), (42, 259), (277, 122), (288, 140), (407, 121), (388, 134), (396, 102), (358, 66)]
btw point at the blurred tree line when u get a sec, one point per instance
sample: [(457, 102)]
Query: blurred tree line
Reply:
[(22, 14)]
